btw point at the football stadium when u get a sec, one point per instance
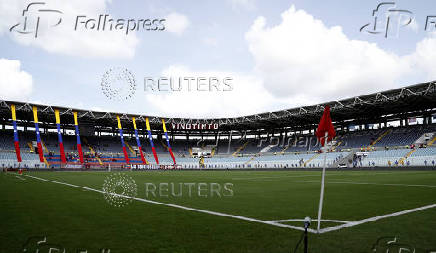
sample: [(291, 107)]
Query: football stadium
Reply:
[(379, 180), (235, 126)]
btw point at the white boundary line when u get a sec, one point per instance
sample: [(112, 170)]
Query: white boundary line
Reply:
[(251, 178), (364, 183), (273, 223), (353, 173), (38, 178), (337, 221), (57, 182), (375, 218)]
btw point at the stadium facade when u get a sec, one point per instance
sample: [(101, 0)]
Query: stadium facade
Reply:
[(393, 128)]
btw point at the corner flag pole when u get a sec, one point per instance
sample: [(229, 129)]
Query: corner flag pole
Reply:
[(321, 197), (326, 129)]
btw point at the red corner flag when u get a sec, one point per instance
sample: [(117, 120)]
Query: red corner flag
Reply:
[(325, 126)]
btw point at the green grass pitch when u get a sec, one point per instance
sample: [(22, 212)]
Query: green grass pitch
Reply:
[(80, 218)]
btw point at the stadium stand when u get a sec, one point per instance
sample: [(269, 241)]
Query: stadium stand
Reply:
[(391, 150), (372, 131)]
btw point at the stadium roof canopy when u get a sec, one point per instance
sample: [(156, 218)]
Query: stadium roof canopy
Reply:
[(411, 101)]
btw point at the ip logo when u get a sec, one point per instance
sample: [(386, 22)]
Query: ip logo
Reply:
[(35, 15), (387, 20)]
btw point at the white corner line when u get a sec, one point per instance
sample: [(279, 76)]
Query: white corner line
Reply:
[(376, 218), (322, 220)]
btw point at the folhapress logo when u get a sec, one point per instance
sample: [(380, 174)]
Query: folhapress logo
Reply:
[(38, 13), (30, 23), (105, 23)]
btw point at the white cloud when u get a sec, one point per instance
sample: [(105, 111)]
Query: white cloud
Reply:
[(15, 84), (303, 60), (176, 23), (423, 58), (63, 39), (299, 62)]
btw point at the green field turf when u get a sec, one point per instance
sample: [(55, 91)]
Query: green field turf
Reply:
[(78, 218)]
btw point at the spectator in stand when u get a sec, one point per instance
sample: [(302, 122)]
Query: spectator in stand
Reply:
[(425, 162)]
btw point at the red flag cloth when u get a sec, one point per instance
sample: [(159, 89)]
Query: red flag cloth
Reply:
[(325, 126)]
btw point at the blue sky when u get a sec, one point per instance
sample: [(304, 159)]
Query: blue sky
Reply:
[(314, 53)]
